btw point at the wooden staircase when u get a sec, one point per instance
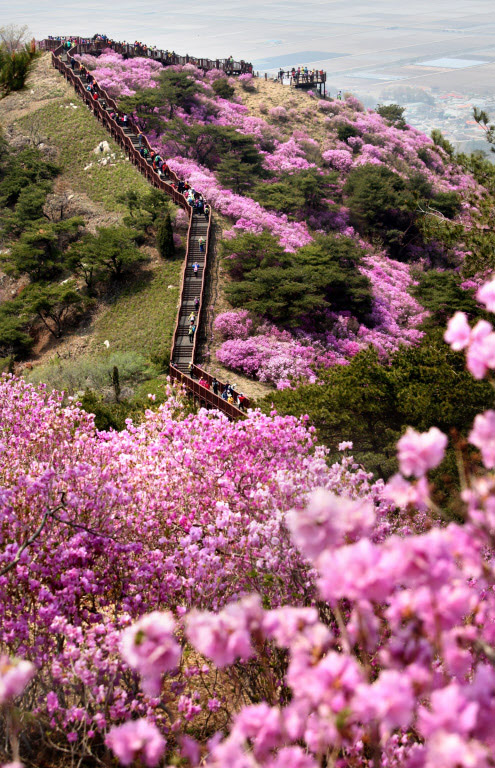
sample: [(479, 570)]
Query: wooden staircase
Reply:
[(184, 350)]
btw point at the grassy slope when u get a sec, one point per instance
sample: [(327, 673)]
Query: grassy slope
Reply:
[(141, 317), (73, 130)]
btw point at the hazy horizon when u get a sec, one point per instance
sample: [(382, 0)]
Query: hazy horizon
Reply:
[(370, 50), (355, 31)]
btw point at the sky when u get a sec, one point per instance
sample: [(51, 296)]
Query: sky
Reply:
[(350, 35)]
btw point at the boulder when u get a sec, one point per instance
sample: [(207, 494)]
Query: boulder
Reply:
[(103, 148)]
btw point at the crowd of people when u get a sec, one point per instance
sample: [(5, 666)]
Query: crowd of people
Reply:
[(158, 163), (226, 391), (167, 57), (302, 75)]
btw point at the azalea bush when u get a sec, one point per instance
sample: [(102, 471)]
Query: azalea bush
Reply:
[(233, 325), (99, 528), (396, 665), (192, 576), (119, 76)]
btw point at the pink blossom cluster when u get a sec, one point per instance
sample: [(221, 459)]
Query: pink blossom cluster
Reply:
[(275, 357), (119, 76), (248, 214), (278, 113), (396, 313), (324, 105), (233, 325), (173, 514), (479, 342), (398, 656), (15, 674), (184, 521), (339, 159), (284, 358), (287, 157)]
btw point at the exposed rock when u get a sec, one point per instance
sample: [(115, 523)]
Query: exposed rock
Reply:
[(103, 148)]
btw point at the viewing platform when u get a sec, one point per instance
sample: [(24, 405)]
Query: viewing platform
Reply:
[(315, 78)]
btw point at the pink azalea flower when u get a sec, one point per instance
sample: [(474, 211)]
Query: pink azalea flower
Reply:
[(149, 647), (327, 521), (445, 750), (481, 352), (136, 738), (482, 436), (419, 452), (403, 493), (389, 700), (486, 295), (15, 674), (225, 636), (458, 331)]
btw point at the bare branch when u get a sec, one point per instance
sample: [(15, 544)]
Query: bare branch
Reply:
[(14, 37), (429, 211), (48, 514)]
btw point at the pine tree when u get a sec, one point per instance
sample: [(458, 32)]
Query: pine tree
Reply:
[(165, 238)]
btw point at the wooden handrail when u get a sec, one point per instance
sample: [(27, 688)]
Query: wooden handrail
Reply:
[(200, 373), (153, 177), (206, 395), (167, 58), (181, 302), (202, 290)]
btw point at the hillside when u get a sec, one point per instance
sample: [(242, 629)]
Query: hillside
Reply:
[(346, 213), (202, 588), (354, 209), (135, 316)]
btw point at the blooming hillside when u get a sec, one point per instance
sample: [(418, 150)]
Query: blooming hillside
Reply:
[(213, 593), (311, 171)]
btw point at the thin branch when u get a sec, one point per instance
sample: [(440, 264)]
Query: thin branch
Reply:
[(48, 514), (83, 528), (429, 211)]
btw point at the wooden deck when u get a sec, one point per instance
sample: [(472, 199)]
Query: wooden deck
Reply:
[(184, 352), (304, 80), (167, 58)]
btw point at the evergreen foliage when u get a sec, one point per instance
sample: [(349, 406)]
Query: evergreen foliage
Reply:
[(54, 304), (174, 89), (442, 295), (14, 68), (39, 252), (370, 402), (289, 288), (165, 238), (393, 113), (223, 88), (109, 253)]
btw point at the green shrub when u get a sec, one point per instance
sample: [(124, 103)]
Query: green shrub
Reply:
[(393, 113), (39, 252), (441, 294), (289, 288), (223, 89), (346, 131), (371, 403), (14, 69), (448, 203), (93, 373)]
